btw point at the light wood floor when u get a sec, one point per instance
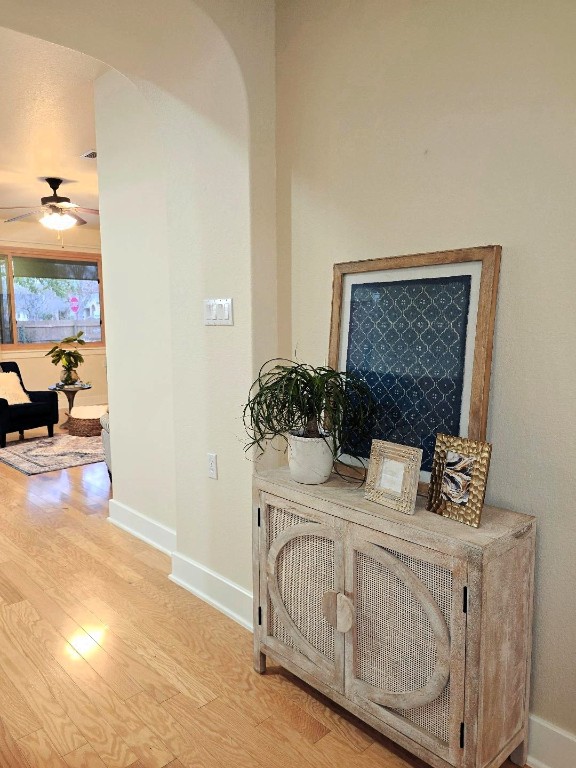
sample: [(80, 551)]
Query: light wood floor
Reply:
[(105, 662)]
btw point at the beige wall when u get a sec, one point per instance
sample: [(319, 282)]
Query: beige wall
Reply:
[(194, 193), (135, 266), (415, 126)]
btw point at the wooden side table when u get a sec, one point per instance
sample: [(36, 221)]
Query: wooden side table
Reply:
[(70, 391)]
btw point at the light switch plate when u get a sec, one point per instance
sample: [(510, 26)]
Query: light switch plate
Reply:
[(218, 312), (213, 466)]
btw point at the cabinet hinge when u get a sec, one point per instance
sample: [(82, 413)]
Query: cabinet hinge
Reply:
[(461, 735), (465, 599), (258, 517), (259, 615)]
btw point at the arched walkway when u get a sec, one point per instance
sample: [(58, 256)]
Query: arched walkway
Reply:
[(185, 129)]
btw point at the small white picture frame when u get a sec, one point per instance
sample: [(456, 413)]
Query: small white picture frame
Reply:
[(393, 474)]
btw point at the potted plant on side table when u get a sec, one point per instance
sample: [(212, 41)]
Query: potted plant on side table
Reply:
[(67, 354), (316, 410)]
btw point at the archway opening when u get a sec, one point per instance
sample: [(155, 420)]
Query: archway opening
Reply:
[(179, 164)]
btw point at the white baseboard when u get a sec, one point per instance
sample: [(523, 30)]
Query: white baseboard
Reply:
[(150, 531), (229, 598), (217, 590), (550, 746)]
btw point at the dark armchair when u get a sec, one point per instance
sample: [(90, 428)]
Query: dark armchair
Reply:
[(42, 411)]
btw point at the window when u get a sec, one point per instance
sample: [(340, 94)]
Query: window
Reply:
[(45, 297), (5, 313)]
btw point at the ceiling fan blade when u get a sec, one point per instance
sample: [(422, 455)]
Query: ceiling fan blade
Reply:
[(23, 215), (79, 221), (12, 207), (93, 211)]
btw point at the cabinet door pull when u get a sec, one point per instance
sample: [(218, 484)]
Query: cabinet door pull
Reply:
[(338, 610), (344, 613), (329, 607)]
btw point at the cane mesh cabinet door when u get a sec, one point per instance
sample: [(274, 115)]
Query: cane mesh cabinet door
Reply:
[(301, 570), (406, 649)]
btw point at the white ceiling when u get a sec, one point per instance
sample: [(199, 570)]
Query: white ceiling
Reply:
[(46, 123)]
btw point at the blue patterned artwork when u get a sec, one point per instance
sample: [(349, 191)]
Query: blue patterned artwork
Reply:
[(407, 340)]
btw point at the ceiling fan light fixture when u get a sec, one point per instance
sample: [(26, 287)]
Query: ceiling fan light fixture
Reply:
[(58, 221)]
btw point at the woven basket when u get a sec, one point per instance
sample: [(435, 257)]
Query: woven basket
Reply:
[(84, 427)]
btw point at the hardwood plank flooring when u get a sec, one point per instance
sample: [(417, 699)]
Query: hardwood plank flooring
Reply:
[(105, 663)]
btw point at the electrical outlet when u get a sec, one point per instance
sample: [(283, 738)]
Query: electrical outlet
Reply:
[(213, 466)]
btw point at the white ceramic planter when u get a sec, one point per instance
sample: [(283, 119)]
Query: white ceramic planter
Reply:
[(310, 459)]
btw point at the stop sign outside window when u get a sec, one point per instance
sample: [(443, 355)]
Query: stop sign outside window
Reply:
[(74, 303)]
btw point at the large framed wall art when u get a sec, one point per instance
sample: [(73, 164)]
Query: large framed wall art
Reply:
[(418, 329)]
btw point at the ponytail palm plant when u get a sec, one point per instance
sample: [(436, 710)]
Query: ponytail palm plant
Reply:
[(294, 398)]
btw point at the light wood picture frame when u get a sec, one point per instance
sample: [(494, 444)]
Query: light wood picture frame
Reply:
[(459, 476), (453, 298), (392, 478)]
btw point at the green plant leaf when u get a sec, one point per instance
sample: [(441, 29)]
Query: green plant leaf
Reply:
[(69, 358), (288, 396)]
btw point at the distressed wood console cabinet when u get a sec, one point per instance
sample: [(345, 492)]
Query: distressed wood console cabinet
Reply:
[(417, 624)]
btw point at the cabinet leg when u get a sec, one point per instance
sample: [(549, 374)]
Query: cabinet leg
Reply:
[(520, 754), (259, 661)]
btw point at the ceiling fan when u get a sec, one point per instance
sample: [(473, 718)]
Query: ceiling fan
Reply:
[(59, 212)]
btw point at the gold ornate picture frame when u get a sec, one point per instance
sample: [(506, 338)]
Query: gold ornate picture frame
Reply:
[(458, 478), (392, 478)]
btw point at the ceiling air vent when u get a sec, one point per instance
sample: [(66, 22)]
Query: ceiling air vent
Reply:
[(90, 155)]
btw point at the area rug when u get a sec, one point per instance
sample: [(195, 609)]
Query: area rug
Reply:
[(50, 454)]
